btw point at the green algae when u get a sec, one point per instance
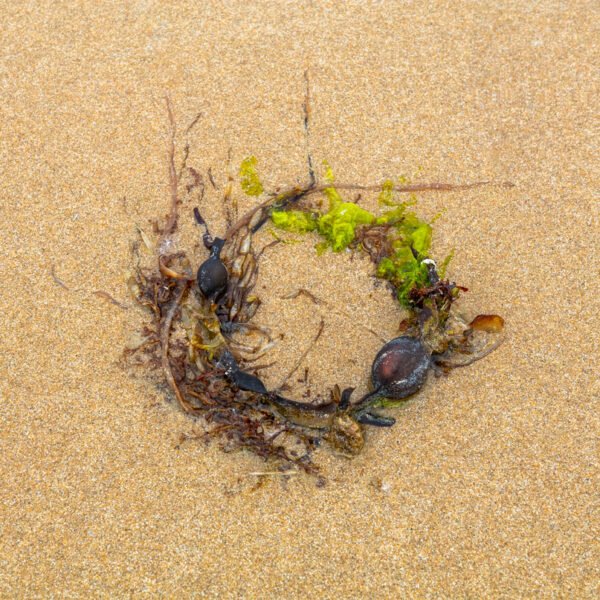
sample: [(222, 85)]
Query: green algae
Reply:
[(338, 225), (249, 180), (296, 221), (406, 236), (445, 263)]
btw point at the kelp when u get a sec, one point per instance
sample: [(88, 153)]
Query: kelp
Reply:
[(183, 342), (202, 340)]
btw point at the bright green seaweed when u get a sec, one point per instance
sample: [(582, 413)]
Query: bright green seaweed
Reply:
[(407, 237), (249, 180)]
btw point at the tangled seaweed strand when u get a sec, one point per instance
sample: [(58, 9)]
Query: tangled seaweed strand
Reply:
[(200, 343)]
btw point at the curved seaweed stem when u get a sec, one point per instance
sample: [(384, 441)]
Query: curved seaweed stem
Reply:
[(164, 337), (245, 220), (295, 193), (446, 364), (169, 228)]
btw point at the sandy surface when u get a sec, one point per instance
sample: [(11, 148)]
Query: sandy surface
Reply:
[(488, 484)]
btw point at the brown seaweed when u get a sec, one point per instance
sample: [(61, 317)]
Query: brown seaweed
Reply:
[(204, 344)]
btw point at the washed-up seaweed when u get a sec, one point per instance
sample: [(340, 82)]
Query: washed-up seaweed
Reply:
[(202, 341)]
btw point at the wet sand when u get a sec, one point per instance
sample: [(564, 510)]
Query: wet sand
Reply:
[(488, 484)]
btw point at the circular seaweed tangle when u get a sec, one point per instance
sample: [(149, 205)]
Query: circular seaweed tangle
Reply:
[(202, 340)]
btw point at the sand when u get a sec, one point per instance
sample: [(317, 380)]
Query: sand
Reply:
[(488, 484)]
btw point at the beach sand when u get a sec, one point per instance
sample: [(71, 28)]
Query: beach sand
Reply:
[(487, 486)]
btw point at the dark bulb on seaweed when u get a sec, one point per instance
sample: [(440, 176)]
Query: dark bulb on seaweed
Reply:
[(212, 274), (212, 278), (400, 368)]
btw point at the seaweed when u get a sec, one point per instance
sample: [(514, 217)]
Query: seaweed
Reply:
[(200, 338), (249, 180), (397, 239)]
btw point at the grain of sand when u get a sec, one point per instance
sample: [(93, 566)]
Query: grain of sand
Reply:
[(488, 484)]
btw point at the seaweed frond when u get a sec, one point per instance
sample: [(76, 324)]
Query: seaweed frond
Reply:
[(403, 239), (249, 180)]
